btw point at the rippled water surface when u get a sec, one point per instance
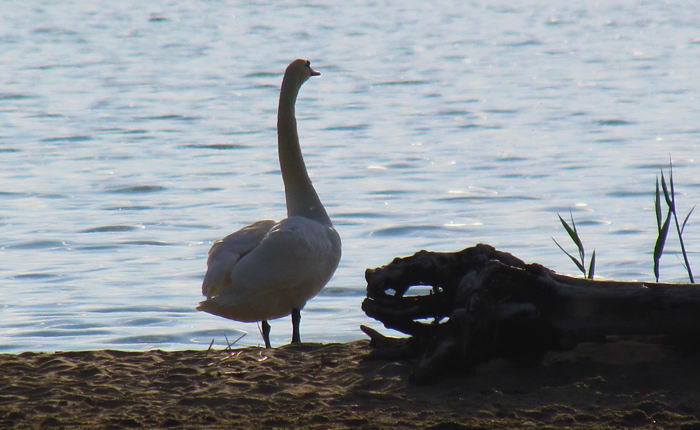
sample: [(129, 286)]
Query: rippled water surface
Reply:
[(133, 135)]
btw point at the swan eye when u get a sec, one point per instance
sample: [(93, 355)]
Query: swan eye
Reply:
[(308, 63)]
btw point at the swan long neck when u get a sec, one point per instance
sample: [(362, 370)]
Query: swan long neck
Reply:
[(301, 196)]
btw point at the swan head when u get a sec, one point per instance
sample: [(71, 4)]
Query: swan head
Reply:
[(300, 70)]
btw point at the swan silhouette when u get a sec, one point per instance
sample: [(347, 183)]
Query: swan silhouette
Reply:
[(270, 269)]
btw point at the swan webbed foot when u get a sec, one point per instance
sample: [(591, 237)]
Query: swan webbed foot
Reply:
[(296, 319), (266, 334)]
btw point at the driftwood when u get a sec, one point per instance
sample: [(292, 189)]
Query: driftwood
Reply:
[(483, 304)]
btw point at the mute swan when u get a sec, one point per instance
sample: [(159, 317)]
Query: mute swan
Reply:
[(270, 269)]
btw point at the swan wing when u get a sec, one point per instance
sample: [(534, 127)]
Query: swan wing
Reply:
[(289, 266), (224, 254), (294, 252)]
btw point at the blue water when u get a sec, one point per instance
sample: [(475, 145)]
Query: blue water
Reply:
[(133, 135)]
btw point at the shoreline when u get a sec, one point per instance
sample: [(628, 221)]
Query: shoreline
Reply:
[(321, 386)]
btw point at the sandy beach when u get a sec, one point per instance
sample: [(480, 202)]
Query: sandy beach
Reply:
[(321, 386)]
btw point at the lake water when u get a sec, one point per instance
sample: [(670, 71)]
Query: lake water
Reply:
[(133, 135)]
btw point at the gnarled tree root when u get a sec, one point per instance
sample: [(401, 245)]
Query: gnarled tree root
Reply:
[(483, 304)]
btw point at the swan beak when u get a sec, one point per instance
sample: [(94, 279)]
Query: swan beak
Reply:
[(314, 73)]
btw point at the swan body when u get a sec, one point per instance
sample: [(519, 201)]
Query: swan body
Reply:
[(266, 269), (270, 269)]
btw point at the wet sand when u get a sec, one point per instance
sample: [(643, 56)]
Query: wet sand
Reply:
[(322, 386)]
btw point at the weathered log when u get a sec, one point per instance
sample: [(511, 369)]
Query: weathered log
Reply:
[(485, 304)]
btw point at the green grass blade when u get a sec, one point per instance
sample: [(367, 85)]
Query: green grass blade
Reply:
[(573, 234), (579, 244), (660, 242), (576, 262), (690, 272), (685, 221), (591, 267), (657, 206), (667, 196), (573, 223), (670, 179)]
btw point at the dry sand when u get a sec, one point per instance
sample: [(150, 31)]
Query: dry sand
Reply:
[(321, 386)]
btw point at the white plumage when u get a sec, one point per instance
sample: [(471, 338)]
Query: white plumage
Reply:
[(266, 269), (270, 269)]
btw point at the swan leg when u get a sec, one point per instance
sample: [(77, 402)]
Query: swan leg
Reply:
[(266, 333), (296, 319)]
